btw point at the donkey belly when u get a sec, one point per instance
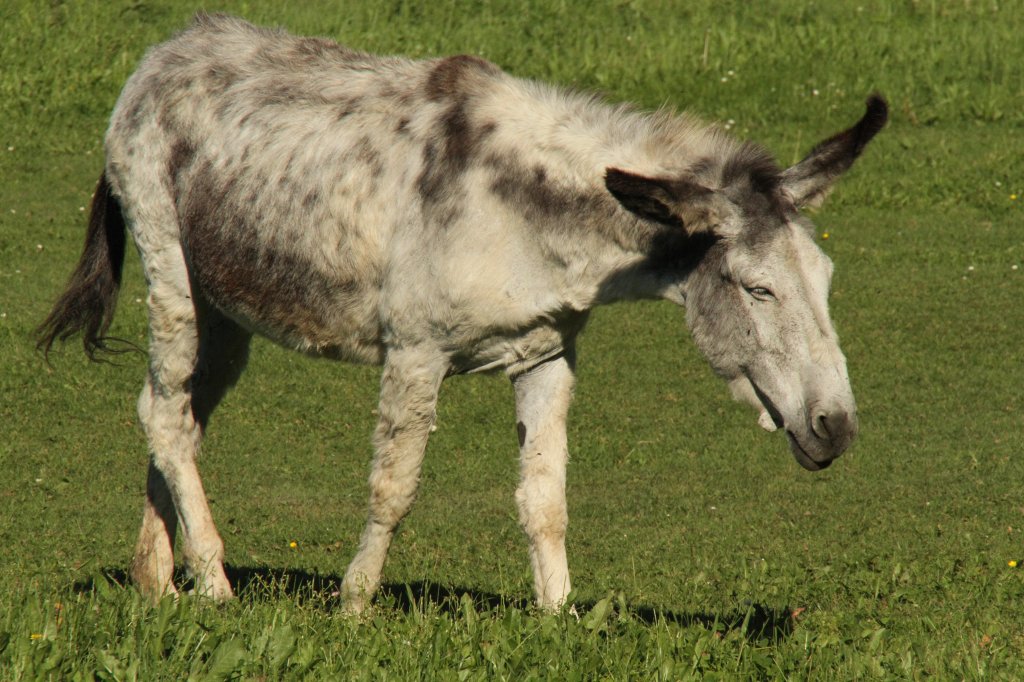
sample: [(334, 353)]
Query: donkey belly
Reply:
[(289, 300), (304, 283)]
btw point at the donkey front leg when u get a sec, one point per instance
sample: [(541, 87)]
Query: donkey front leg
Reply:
[(543, 395), (408, 398)]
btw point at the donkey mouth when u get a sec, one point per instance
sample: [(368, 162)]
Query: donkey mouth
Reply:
[(804, 459), (771, 419)]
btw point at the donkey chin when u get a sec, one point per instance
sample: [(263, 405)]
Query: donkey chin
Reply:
[(818, 432)]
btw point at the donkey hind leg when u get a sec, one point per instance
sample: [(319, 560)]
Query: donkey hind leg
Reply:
[(191, 367), (152, 567), (543, 395), (408, 397)]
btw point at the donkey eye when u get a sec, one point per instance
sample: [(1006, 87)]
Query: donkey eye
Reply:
[(760, 293)]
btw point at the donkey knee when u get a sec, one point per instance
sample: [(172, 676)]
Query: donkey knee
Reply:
[(542, 508), (391, 495)]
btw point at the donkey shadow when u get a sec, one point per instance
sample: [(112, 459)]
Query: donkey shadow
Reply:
[(262, 583)]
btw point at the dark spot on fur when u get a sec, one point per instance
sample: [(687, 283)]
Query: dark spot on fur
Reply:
[(407, 98), (521, 431), (448, 78), (220, 78), (348, 107), (311, 199), (460, 143), (182, 154), (459, 138), (538, 198), (287, 175), (311, 50), (134, 117), (368, 154), (169, 121), (223, 109), (402, 128)]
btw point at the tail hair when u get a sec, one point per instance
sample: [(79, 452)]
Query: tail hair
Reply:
[(90, 297)]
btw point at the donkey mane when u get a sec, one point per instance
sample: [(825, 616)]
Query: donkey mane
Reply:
[(591, 134)]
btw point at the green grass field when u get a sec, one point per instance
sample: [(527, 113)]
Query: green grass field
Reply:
[(699, 549)]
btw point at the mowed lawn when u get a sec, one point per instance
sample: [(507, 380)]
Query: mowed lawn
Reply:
[(697, 545)]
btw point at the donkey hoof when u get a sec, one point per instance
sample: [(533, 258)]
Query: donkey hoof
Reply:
[(354, 604), (154, 595), (217, 589)]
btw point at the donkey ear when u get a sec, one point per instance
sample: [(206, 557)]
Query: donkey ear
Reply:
[(809, 182), (674, 202)]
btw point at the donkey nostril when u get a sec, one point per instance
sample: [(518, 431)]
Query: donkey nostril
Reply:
[(820, 426), (837, 429)]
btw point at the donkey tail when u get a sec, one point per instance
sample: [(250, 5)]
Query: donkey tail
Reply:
[(88, 302)]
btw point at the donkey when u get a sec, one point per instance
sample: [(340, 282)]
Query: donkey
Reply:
[(436, 217)]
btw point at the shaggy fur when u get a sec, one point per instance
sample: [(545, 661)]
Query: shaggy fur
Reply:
[(435, 217)]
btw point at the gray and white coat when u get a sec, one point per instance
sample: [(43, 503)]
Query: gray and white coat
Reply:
[(436, 217)]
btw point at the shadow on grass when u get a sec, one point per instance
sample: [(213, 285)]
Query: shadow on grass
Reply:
[(261, 583)]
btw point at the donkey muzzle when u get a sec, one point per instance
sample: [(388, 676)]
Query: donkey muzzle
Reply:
[(829, 434)]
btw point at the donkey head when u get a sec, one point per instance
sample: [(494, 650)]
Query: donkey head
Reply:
[(757, 297)]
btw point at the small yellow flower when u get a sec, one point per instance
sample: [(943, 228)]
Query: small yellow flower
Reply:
[(36, 635), (293, 544), (1011, 563), (824, 235), (1013, 197)]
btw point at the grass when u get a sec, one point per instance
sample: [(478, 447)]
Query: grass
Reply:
[(698, 548)]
